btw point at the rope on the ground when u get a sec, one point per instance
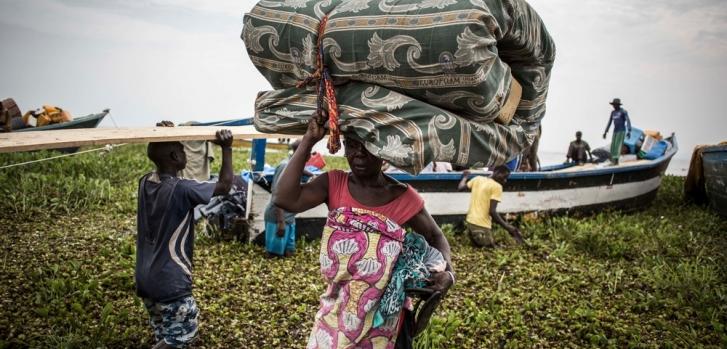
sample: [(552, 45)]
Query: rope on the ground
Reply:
[(106, 148)]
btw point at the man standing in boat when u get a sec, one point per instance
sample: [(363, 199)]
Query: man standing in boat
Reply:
[(579, 151), (486, 194), (620, 119)]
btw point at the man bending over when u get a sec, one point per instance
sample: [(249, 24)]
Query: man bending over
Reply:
[(486, 194)]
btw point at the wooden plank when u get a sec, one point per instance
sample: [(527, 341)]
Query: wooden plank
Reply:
[(25, 141)]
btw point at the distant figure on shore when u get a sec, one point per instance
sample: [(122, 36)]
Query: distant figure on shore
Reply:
[(486, 194), (620, 119), (165, 239), (579, 151)]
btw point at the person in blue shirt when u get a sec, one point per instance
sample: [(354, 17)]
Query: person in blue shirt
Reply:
[(165, 239), (621, 129)]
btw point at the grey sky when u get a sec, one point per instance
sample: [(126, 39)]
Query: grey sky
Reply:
[(183, 60)]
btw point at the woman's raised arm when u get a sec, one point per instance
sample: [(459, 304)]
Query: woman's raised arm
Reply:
[(290, 194)]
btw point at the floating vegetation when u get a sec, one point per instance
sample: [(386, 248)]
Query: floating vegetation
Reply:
[(656, 278)]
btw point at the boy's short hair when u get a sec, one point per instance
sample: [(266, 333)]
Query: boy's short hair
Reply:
[(502, 169), (158, 152)]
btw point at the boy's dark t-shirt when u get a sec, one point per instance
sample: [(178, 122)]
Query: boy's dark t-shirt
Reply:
[(165, 239)]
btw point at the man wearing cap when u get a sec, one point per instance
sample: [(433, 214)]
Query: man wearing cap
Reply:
[(620, 119)]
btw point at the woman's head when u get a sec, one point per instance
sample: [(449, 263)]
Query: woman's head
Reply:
[(360, 160)]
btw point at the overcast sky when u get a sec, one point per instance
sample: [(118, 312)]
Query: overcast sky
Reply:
[(183, 60)]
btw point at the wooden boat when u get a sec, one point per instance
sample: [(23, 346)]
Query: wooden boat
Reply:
[(88, 121), (714, 163), (558, 189), (235, 122)]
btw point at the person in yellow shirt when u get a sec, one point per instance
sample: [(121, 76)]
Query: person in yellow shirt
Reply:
[(486, 194)]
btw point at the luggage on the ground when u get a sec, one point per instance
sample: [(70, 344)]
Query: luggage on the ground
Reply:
[(460, 81), (226, 214)]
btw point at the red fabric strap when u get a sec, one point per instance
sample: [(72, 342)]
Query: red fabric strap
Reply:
[(326, 91)]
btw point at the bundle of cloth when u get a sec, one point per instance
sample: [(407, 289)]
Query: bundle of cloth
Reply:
[(368, 262), (459, 81)]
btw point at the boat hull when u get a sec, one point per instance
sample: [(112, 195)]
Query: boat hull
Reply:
[(714, 163), (624, 188), (89, 121)]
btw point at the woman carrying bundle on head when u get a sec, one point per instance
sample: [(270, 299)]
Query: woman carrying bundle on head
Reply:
[(367, 258)]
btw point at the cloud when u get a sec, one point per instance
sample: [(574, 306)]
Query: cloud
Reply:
[(680, 6), (61, 19), (184, 60), (224, 7), (143, 59), (671, 31), (706, 35), (665, 57), (218, 7), (147, 21)]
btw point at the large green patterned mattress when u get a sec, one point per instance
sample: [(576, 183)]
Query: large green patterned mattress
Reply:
[(416, 81)]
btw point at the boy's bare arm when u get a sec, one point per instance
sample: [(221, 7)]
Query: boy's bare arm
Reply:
[(224, 183)]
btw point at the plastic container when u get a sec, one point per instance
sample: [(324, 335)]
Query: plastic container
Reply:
[(633, 141), (656, 151), (649, 142), (316, 160)]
